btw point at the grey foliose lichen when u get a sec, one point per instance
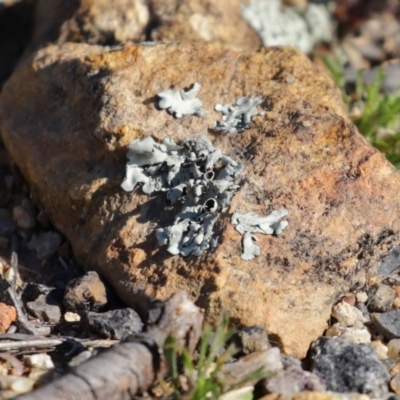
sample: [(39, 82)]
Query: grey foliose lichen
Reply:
[(300, 27), (247, 224), (182, 102), (194, 173), (238, 117)]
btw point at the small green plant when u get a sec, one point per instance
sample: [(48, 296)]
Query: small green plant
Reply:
[(375, 113), (201, 377)]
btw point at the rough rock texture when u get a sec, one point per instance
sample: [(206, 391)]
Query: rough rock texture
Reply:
[(79, 106), (8, 315), (315, 396), (219, 21), (88, 21), (348, 367), (85, 293), (105, 22)]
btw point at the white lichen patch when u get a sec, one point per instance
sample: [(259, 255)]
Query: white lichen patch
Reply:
[(298, 27), (182, 102), (238, 117), (193, 173), (249, 223)]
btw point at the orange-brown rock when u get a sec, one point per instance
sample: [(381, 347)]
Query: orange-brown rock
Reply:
[(91, 21), (105, 22), (210, 21), (68, 114), (8, 315)]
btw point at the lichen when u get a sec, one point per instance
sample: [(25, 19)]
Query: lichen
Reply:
[(249, 223), (238, 117), (298, 27), (182, 102), (193, 173)]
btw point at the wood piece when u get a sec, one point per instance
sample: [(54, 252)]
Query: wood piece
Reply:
[(128, 367)]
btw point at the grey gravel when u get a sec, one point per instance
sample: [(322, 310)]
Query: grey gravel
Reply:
[(390, 263), (251, 339), (388, 324), (348, 367), (115, 324), (46, 308)]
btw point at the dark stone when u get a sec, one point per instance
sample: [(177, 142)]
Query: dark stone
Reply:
[(46, 244), (115, 324), (32, 291), (251, 339), (293, 380), (381, 297), (7, 225), (388, 324), (86, 293), (46, 308), (348, 367)]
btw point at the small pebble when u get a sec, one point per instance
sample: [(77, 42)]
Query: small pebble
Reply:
[(349, 298), (23, 218), (394, 349), (72, 317), (395, 383), (8, 315), (45, 308), (347, 314), (381, 349), (381, 297), (354, 334), (41, 361), (361, 297), (387, 324), (396, 302)]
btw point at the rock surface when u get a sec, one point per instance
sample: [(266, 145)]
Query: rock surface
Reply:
[(79, 106), (85, 293), (348, 367)]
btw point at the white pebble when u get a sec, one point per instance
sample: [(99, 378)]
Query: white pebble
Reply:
[(394, 349), (41, 360), (72, 317), (361, 297), (396, 302), (358, 334), (347, 314)]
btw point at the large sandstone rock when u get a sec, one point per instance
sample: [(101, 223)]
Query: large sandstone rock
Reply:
[(68, 114)]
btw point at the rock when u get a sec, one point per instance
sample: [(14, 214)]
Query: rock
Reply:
[(388, 324), (293, 380), (349, 367), (362, 297), (86, 293), (347, 315), (8, 315), (41, 361), (394, 349), (72, 317), (316, 396), (23, 218), (7, 225), (92, 102), (381, 297), (32, 291), (115, 324), (356, 334), (251, 339), (45, 308), (45, 245), (395, 383), (381, 349), (349, 298), (390, 263)]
